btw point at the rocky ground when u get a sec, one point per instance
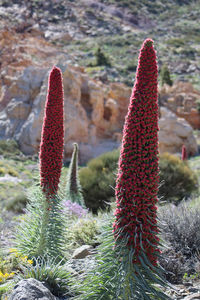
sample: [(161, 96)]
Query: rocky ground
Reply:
[(119, 27), (81, 262)]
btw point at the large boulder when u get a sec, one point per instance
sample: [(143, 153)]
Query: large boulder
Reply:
[(31, 289), (174, 133)]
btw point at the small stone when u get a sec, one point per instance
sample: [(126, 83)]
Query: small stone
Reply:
[(193, 290), (82, 252)]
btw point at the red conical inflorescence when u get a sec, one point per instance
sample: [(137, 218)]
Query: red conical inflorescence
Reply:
[(52, 139), (137, 181), (184, 153)]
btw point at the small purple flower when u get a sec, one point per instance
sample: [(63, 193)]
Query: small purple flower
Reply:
[(75, 209)]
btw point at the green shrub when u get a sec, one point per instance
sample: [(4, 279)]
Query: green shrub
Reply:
[(85, 232), (98, 180), (101, 58), (6, 168), (176, 42), (165, 76), (178, 181), (132, 66), (9, 148), (2, 171), (17, 203)]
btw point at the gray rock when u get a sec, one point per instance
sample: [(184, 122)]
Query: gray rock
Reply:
[(31, 289), (193, 297), (82, 252), (20, 97), (17, 109)]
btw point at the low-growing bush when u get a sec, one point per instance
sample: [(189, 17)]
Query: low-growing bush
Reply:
[(98, 180), (165, 76), (2, 171), (85, 232), (180, 231), (6, 168), (17, 203), (101, 58), (177, 180), (9, 148), (174, 264), (180, 227)]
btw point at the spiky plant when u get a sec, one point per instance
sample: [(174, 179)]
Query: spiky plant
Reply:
[(184, 153), (42, 231), (73, 187), (52, 273), (128, 269)]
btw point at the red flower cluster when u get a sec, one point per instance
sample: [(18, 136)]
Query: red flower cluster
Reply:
[(52, 140), (137, 181), (184, 153)]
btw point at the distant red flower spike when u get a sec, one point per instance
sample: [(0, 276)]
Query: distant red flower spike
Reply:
[(184, 153), (137, 181), (52, 139)]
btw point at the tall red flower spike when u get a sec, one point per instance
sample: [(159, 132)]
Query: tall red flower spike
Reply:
[(52, 139), (137, 181), (184, 153)]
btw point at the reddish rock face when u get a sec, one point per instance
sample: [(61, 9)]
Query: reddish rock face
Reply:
[(95, 111), (192, 117), (175, 132), (182, 99)]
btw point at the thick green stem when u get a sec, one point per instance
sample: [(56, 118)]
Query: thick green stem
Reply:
[(127, 293), (43, 233)]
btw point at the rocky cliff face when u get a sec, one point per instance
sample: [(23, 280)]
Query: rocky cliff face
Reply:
[(94, 112), (174, 133), (183, 100)]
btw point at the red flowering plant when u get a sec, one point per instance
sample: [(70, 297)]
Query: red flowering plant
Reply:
[(184, 153), (137, 181), (129, 269), (52, 140), (135, 225), (42, 232)]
